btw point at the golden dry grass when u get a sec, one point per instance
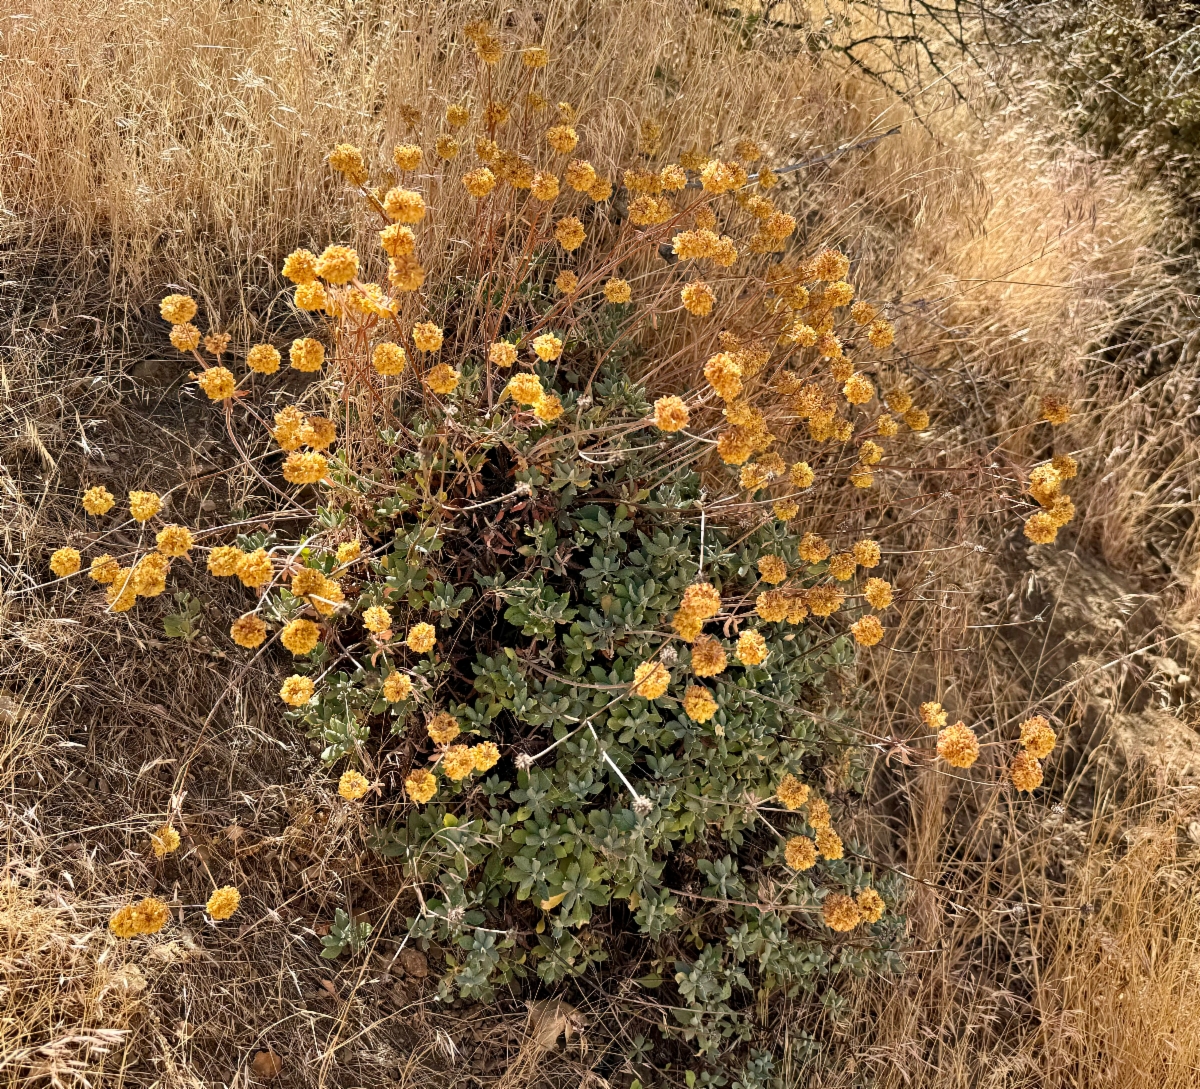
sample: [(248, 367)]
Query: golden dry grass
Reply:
[(152, 145)]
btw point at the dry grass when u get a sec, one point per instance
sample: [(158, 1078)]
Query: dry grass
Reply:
[(1055, 941)]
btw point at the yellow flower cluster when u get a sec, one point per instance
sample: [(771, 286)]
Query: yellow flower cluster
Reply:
[(958, 745), (700, 602), (147, 916)]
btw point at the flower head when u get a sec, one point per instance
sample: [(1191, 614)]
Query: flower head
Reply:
[(800, 853), (842, 565), (427, 336), (421, 638), (442, 379), (772, 569), (617, 291), (917, 419), (724, 374), (548, 407), (524, 388), (958, 745), (305, 355), (544, 186), (825, 600), (1037, 737), (223, 902), (878, 593), (650, 680), (223, 560), (420, 785), (255, 568), (164, 840), (547, 347), (708, 656), (870, 905), (1041, 528), (217, 383), (670, 414), (867, 630), (98, 500), (65, 561), (337, 264), (263, 359), (248, 631), (311, 296), (104, 569), (1055, 410), (174, 540), (698, 703), (801, 475), (858, 389), (177, 309), (396, 687), (442, 728), (792, 792), (751, 648), (933, 715), (569, 233), (701, 599), (300, 637), (562, 138), (144, 505), (813, 548), (458, 762), (301, 468), (479, 182), (486, 756), (407, 156), (185, 337), (297, 691), (829, 843), (353, 785), (1025, 772), (377, 619), (300, 266), (840, 912)]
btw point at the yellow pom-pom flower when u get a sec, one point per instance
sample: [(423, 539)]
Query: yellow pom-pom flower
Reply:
[(617, 291), (562, 138), (792, 792), (427, 336), (406, 156), (223, 903), (486, 756), (300, 637), (867, 630), (297, 691), (377, 619), (958, 745), (396, 687), (304, 468), (547, 347), (177, 309), (98, 500), (174, 541), (421, 638), (442, 379), (104, 569), (502, 354), (65, 561), (524, 388), (842, 565), (337, 264), (248, 631), (263, 359), (1037, 737), (698, 703), (570, 233), (185, 337), (800, 853), (878, 593), (772, 569), (217, 383), (353, 785), (670, 414), (650, 680), (458, 762), (164, 841), (300, 266), (479, 182), (420, 785), (306, 355), (1025, 772), (708, 656), (442, 728), (724, 375), (698, 298), (751, 648), (933, 715), (144, 505)]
